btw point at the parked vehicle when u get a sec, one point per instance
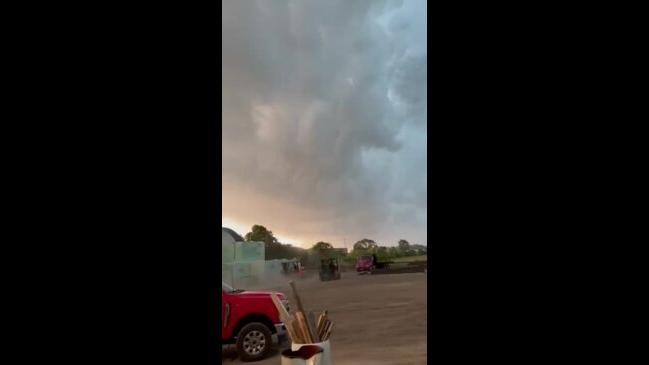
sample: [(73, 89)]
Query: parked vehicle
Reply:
[(329, 269), (251, 321), (292, 268), (365, 264), (368, 264)]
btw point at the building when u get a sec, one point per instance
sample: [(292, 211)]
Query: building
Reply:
[(243, 263)]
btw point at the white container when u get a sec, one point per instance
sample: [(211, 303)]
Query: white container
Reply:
[(315, 359), (323, 358)]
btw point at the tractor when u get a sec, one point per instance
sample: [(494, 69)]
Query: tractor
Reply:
[(328, 261), (329, 269)]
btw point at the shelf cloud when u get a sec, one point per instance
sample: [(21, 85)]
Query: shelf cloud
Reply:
[(324, 118)]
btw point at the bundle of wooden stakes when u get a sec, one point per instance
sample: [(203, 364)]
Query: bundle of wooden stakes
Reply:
[(301, 327)]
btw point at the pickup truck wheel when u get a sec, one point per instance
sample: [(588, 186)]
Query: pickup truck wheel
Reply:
[(254, 342)]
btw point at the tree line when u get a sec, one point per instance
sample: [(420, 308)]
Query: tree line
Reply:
[(277, 250)]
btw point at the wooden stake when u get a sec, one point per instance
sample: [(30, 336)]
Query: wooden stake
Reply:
[(328, 332), (318, 325), (312, 327), (323, 329), (298, 333), (284, 315), (304, 327), (301, 316), (297, 297), (288, 323), (278, 304), (322, 320)]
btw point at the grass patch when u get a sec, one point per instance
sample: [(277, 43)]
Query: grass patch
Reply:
[(410, 258)]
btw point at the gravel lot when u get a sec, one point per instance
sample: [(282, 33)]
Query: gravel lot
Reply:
[(378, 319)]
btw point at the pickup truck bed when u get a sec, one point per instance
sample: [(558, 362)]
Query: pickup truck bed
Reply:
[(400, 267)]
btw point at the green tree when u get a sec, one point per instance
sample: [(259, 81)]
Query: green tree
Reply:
[(382, 253), (365, 244), (404, 246), (420, 249), (322, 245), (273, 248), (260, 233)]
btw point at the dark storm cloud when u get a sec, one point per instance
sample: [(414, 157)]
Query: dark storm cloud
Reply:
[(324, 117)]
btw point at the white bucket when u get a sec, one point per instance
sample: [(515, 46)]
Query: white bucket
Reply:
[(315, 359), (323, 358)]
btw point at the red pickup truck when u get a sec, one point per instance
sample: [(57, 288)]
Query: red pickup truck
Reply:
[(251, 321), (368, 264), (365, 264)]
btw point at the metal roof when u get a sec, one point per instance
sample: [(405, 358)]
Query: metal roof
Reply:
[(233, 234)]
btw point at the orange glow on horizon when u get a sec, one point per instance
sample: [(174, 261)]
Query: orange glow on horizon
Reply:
[(243, 228)]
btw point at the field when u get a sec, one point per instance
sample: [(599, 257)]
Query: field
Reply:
[(377, 319), (410, 258)]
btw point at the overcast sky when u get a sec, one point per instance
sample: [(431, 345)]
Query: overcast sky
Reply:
[(324, 119)]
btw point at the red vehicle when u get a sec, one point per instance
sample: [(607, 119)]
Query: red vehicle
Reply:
[(365, 264), (251, 321)]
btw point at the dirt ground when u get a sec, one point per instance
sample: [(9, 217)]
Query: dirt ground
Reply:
[(378, 319)]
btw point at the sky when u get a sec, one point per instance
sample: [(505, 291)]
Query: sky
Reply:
[(324, 107)]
